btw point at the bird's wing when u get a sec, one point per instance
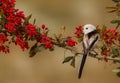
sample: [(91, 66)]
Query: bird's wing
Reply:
[(92, 41), (85, 43)]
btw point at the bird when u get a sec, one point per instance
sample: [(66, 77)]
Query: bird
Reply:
[(90, 39)]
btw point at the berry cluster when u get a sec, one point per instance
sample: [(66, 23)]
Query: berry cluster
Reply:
[(15, 28)]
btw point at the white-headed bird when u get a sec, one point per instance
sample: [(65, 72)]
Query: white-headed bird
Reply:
[(90, 39)]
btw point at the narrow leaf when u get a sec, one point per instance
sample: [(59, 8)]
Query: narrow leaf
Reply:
[(34, 21), (73, 62), (32, 50), (114, 52), (28, 17), (36, 49), (115, 21), (67, 59)]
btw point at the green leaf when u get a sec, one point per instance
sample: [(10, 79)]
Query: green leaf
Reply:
[(115, 21), (114, 52), (67, 59), (73, 62), (34, 49)]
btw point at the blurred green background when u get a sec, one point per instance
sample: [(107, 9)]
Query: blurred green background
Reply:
[(47, 67)]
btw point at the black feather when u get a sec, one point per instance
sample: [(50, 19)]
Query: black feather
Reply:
[(92, 44), (82, 65), (92, 33)]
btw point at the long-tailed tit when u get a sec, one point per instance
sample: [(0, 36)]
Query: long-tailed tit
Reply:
[(90, 39)]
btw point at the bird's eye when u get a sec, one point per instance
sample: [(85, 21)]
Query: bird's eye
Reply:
[(86, 28)]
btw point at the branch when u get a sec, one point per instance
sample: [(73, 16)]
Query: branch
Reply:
[(105, 57), (96, 56)]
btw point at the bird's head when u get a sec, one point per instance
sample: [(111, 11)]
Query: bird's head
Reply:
[(88, 28)]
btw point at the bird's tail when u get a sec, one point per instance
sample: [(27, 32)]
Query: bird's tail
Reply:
[(82, 65)]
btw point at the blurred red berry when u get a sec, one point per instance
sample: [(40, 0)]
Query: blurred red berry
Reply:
[(106, 52), (78, 31), (71, 42), (46, 41), (48, 44), (22, 43), (4, 49), (3, 38), (30, 30), (110, 36), (43, 26), (105, 59)]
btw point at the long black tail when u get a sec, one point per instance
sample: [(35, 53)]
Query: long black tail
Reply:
[(82, 65)]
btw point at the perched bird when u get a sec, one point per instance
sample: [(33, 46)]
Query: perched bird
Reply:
[(90, 39)]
